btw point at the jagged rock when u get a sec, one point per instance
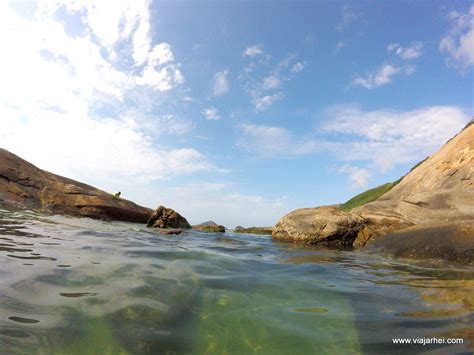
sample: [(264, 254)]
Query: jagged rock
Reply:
[(210, 226), (320, 225), (167, 218), (24, 185)]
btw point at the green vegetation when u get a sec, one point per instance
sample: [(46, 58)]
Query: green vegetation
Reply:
[(375, 193), (368, 196)]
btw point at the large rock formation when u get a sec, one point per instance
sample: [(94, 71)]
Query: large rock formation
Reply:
[(166, 218), (324, 225), (210, 227), (23, 184), (439, 193)]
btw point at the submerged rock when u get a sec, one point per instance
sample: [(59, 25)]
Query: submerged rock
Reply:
[(210, 226), (167, 218), (321, 225), (169, 231), (24, 185), (453, 242)]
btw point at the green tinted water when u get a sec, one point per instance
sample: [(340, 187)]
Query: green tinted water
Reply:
[(77, 286)]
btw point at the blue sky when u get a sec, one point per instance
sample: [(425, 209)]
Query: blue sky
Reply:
[(237, 112)]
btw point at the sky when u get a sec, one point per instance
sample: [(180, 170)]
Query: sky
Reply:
[(237, 112)]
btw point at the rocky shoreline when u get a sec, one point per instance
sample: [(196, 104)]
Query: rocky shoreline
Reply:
[(24, 185), (436, 198), (429, 213)]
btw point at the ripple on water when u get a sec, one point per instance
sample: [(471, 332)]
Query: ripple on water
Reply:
[(77, 294), (23, 320), (212, 294), (35, 257)]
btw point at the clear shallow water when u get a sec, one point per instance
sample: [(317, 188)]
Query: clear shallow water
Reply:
[(78, 286)]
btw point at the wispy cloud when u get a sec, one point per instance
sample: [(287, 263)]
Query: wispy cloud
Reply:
[(379, 140), (387, 138), (253, 51), (211, 113), (458, 44), (413, 51), (339, 46), (349, 15), (273, 141), (265, 90), (297, 67), (263, 103), (220, 83), (381, 76), (358, 177)]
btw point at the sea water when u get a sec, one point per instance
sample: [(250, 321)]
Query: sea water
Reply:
[(80, 286)]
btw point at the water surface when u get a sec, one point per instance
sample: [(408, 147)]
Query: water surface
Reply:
[(79, 286)]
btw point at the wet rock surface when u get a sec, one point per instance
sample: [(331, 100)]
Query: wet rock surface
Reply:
[(210, 227), (167, 218)]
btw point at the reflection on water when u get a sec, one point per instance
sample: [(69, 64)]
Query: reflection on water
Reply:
[(77, 286)]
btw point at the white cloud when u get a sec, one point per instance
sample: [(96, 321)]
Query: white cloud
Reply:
[(297, 67), (359, 177), (273, 141), (392, 46), (339, 46), (211, 113), (413, 51), (349, 15), (263, 103), (382, 76), (270, 82), (458, 44), (387, 138), (253, 51), (221, 83), (94, 150), (73, 103), (381, 138), (265, 90)]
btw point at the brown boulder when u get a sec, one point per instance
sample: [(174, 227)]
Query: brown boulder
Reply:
[(210, 227), (166, 218), (320, 225), (24, 185)]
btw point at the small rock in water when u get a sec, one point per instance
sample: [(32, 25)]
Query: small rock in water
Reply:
[(167, 218)]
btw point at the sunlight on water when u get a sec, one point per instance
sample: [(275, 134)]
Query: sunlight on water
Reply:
[(78, 286)]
